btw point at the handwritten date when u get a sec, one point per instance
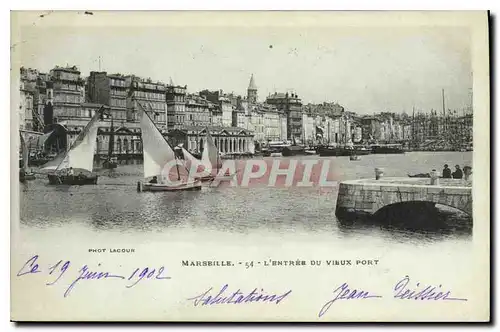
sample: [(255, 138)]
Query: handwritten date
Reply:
[(85, 273)]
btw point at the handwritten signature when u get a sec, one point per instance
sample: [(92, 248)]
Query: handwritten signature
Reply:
[(343, 292), (85, 273), (238, 297), (402, 291)]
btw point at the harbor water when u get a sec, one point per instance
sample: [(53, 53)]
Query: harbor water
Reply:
[(306, 214)]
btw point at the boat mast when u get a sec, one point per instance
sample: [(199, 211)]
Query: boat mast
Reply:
[(111, 140)]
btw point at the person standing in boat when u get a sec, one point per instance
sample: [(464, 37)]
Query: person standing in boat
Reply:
[(154, 180), (446, 172), (71, 172), (458, 174)]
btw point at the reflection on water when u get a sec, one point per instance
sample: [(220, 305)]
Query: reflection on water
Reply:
[(114, 205)]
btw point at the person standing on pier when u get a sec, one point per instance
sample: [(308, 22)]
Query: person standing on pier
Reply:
[(458, 173), (446, 172)]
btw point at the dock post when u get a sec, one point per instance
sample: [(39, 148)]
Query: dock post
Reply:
[(379, 172), (434, 178), (139, 186)]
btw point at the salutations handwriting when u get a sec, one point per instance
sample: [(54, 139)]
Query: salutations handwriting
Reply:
[(59, 270), (226, 296)]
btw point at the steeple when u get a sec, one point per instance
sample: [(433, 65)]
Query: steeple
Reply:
[(251, 85), (252, 91), (171, 83)]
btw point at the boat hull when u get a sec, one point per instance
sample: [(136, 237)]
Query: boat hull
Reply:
[(27, 177), (362, 152), (191, 186), (387, 150), (72, 180), (208, 178)]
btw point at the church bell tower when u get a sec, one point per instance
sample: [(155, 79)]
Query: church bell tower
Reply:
[(252, 91)]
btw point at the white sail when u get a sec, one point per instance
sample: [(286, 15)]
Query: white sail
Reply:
[(156, 151), (192, 163), (81, 155), (210, 156)]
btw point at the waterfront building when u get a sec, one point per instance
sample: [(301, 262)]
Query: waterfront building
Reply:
[(291, 105), (229, 140), (176, 105), (272, 126), (42, 104), (371, 128), (27, 103), (66, 93), (222, 113), (240, 118), (198, 111), (109, 90), (308, 124), (283, 125), (255, 122), (151, 95)]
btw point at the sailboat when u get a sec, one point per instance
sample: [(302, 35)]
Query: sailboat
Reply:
[(192, 163), (79, 157), (24, 175), (211, 159), (161, 162), (111, 162)]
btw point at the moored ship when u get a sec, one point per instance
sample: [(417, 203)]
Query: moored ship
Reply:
[(387, 149)]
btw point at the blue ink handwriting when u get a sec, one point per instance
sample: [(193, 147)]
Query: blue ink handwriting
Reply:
[(237, 297), (403, 292), (343, 292), (85, 273)]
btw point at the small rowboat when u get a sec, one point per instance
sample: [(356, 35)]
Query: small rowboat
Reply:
[(189, 186)]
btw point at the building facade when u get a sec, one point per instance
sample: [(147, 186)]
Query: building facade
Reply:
[(66, 93), (151, 95), (291, 105), (109, 90), (28, 103), (176, 105), (198, 111), (229, 140)]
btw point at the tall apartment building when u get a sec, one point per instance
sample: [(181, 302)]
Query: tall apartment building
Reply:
[(151, 95), (27, 117), (66, 92), (198, 111), (176, 105), (109, 90), (291, 105)]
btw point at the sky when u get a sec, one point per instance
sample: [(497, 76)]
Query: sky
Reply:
[(366, 70)]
